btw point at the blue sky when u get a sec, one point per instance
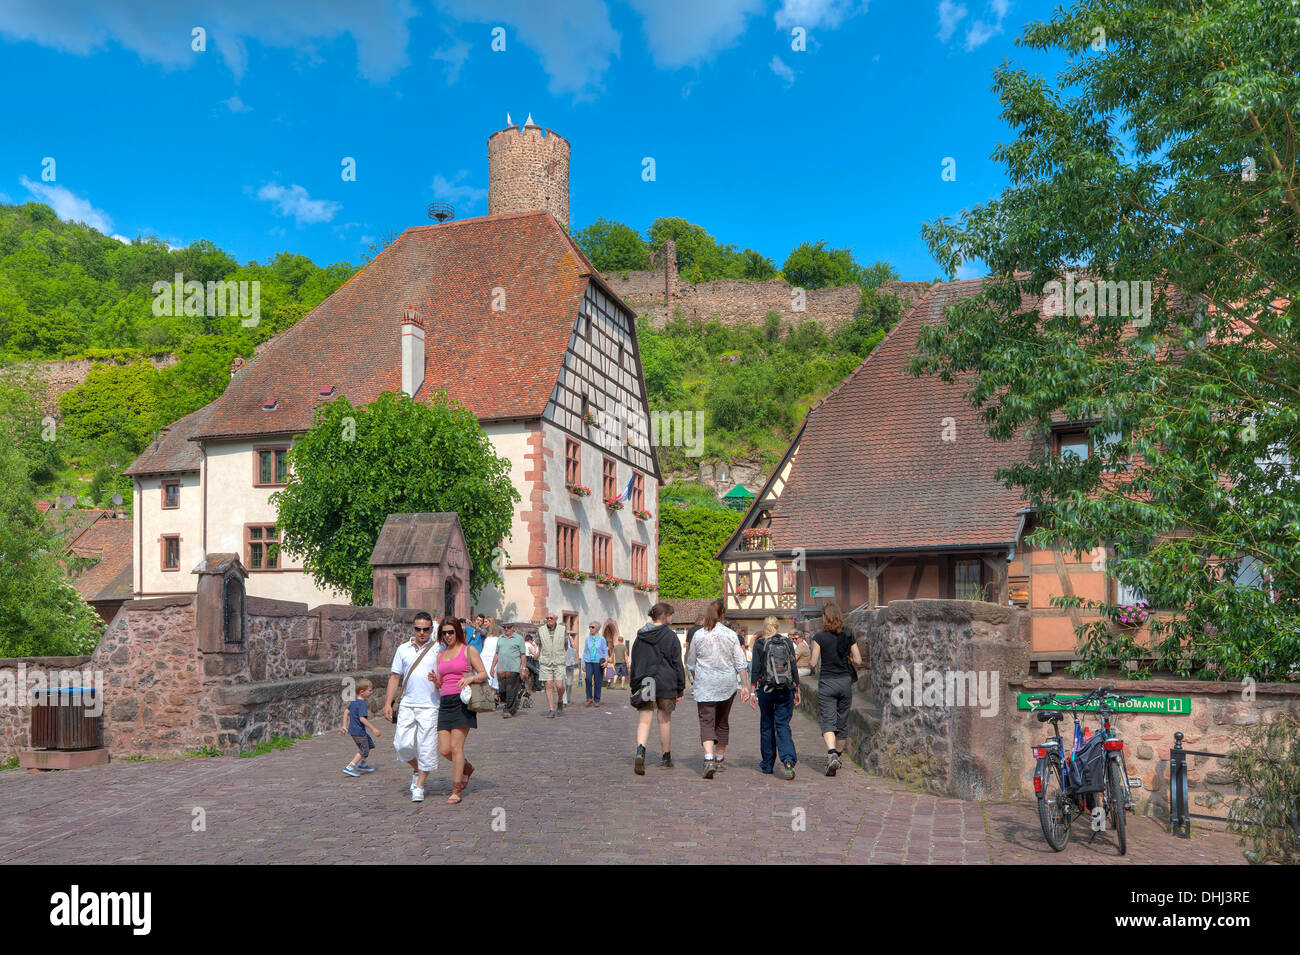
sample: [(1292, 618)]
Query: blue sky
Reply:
[(762, 144)]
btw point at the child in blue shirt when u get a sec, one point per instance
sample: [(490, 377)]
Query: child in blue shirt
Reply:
[(357, 722)]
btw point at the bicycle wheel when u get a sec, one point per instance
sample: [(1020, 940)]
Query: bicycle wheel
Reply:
[(1116, 799), (1053, 809)]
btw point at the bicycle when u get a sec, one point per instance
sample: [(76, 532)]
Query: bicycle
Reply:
[(1069, 786)]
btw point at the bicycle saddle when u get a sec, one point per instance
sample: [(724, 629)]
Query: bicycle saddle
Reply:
[(1049, 716)]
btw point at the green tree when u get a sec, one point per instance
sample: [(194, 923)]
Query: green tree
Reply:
[(357, 465), (613, 246), (693, 527), (115, 404), (1188, 180), (812, 265), (700, 257), (40, 613)]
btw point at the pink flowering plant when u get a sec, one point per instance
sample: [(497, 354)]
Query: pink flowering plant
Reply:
[(578, 490), (572, 573), (1132, 615), (606, 580)]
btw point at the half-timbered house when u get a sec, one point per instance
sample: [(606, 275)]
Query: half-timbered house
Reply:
[(507, 316), (888, 492)]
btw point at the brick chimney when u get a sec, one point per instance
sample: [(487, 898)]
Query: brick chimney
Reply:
[(412, 350)]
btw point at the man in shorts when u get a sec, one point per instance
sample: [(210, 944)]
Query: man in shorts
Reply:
[(552, 642)]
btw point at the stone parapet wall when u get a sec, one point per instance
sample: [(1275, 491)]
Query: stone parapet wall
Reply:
[(960, 750), (163, 696)]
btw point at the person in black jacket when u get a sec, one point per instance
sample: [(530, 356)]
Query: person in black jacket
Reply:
[(657, 656)]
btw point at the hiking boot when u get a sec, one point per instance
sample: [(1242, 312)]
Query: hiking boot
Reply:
[(789, 770), (666, 762), (639, 766), (832, 762), (719, 763), (710, 767)]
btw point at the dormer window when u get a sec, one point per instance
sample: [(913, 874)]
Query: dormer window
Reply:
[(327, 391), (269, 404)]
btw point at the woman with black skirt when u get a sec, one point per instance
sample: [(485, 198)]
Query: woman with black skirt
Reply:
[(459, 665)]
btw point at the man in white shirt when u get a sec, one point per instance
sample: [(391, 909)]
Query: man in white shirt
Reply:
[(416, 736)]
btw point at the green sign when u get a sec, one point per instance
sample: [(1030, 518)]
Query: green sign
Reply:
[(822, 591), (1173, 705)]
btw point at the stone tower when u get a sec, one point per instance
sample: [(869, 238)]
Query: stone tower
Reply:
[(528, 169)]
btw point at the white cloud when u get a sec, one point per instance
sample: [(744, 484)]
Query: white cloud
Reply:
[(120, 238), (454, 56), (685, 32), (575, 41), (950, 14), (161, 32), (453, 191), (980, 33), (236, 105), (815, 13), (778, 67), (295, 203), (68, 206), (971, 270)]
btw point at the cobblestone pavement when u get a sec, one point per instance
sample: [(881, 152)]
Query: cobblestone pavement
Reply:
[(543, 790)]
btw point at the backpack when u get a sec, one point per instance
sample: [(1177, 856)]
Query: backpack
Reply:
[(778, 664)]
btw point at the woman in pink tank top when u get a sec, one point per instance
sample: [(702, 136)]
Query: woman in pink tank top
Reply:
[(458, 666)]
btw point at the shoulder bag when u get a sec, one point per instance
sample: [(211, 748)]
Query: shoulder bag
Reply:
[(401, 689)]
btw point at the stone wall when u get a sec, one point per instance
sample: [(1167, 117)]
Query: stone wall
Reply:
[(60, 377), (956, 751), (952, 750), (164, 696)]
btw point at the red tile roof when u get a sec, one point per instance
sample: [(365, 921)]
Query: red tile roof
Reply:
[(499, 364), (108, 543), (873, 471), (172, 451)]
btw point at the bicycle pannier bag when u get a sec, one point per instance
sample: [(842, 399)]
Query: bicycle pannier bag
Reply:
[(1087, 768)]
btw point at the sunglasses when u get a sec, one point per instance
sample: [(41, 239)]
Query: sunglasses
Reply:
[(423, 629), (446, 633)]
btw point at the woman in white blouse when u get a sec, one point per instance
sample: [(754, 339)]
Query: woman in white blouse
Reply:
[(717, 664)]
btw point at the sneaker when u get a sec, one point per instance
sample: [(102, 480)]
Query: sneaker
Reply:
[(550, 714), (559, 708), (365, 768), (832, 762), (720, 763), (639, 766), (765, 772), (505, 715), (789, 770), (417, 794), (710, 767), (349, 771), (415, 782), (667, 761)]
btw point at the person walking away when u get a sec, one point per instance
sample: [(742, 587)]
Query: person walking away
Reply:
[(572, 672), (837, 653), (459, 665), (773, 675), (716, 663), (415, 736), (508, 668), (552, 643), (356, 724), (594, 653), (619, 652), (658, 681), (693, 630)]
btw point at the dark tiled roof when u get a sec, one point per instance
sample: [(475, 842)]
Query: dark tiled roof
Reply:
[(686, 610), (108, 542), (873, 471), (499, 364), (414, 539), (69, 523), (172, 451)]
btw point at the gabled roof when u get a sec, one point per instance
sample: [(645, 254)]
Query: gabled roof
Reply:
[(407, 539), (172, 452), (500, 364), (874, 472)]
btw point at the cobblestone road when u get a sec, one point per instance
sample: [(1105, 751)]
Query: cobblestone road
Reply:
[(557, 791)]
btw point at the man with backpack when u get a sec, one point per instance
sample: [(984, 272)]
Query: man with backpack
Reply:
[(774, 677)]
